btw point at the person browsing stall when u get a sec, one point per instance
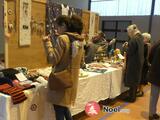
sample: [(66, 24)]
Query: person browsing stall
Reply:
[(134, 61), (66, 57)]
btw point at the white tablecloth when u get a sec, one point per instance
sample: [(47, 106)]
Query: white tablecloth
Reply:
[(98, 87), (34, 108), (95, 87)]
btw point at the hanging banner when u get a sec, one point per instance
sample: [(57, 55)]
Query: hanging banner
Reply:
[(25, 20), (92, 25)]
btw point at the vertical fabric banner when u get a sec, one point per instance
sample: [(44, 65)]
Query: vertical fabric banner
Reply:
[(1, 27), (92, 25), (5, 31), (24, 20)]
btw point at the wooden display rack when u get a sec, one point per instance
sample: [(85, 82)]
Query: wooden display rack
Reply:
[(32, 56)]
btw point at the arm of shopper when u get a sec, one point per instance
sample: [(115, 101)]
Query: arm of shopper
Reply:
[(55, 53)]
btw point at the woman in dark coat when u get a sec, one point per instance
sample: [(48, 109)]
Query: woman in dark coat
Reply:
[(147, 46), (134, 64), (154, 79)]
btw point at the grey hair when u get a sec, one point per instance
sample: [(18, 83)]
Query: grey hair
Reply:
[(147, 35), (132, 27)]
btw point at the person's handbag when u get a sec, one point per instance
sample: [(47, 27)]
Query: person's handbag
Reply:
[(60, 81)]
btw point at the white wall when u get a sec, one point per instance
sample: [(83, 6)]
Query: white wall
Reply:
[(142, 22), (1, 28), (82, 4)]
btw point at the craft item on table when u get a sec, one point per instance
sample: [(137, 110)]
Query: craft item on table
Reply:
[(117, 58), (97, 67), (21, 77), (4, 80), (26, 86), (42, 80), (32, 76), (65, 9), (4, 86), (10, 73), (16, 94), (107, 64), (15, 82), (97, 70), (23, 70), (25, 20), (25, 82), (83, 73), (45, 72), (121, 56)]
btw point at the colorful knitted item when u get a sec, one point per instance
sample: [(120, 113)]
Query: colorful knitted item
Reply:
[(4, 86), (16, 94)]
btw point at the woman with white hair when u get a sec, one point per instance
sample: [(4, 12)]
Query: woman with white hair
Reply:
[(134, 61), (147, 46)]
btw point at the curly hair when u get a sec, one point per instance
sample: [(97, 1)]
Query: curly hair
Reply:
[(76, 24)]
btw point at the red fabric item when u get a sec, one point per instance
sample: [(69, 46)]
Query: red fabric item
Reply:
[(4, 86), (16, 94)]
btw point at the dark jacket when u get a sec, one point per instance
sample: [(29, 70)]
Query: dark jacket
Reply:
[(145, 64), (135, 59), (154, 59)]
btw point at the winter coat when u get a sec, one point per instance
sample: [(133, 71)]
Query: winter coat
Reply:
[(59, 55), (154, 59), (135, 59)]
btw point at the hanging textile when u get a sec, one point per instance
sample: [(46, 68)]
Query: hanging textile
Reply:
[(25, 20), (65, 9), (92, 24)]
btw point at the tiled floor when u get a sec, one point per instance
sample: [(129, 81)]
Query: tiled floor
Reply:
[(138, 110)]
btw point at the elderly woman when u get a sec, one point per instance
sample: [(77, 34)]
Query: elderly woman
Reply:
[(147, 45), (134, 61)]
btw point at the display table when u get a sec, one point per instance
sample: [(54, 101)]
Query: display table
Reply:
[(34, 108), (98, 86), (95, 87)]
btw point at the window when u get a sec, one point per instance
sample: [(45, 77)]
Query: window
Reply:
[(122, 7), (157, 8)]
